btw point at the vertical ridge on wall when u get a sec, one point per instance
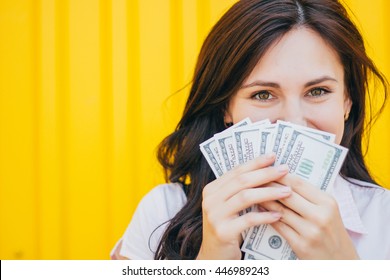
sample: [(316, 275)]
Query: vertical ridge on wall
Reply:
[(120, 182), (18, 208), (176, 56), (106, 114), (203, 19), (155, 86), (49, 165), (62, 102), (133, 117), (36, 71), (190, 41), (85, 208)]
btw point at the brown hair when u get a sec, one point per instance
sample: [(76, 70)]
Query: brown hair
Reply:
[(230, 52)]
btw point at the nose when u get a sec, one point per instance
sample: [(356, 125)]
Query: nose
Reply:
[(294, 112)]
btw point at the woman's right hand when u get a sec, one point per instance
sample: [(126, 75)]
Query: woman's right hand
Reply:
[(236, 190)]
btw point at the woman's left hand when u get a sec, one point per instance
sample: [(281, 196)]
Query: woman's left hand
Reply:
[(311, 222)]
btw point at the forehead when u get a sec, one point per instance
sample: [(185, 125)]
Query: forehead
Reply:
[(300, 54)]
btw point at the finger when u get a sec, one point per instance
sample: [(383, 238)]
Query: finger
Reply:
[(241, 223), (253, 179), (255, 164), (248, 197), (292, 237), (303, 188), (299, 205), (271, 184), (274, 184), (288, 216)]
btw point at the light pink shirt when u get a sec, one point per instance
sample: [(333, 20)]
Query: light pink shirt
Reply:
[(364, 209)]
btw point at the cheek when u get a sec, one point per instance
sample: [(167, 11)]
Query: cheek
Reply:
[(330, 121), (241, 108), (254, 113)]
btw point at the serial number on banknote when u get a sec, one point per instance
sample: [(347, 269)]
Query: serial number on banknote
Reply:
[(235, 270)]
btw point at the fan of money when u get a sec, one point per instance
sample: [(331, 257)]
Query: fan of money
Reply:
[(309, 153)]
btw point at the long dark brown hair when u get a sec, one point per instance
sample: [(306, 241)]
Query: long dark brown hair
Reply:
[(230, 52)]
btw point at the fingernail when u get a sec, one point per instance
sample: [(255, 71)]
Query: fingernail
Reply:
[(283, 168), (276, 214), (285, 189), (270, 155)]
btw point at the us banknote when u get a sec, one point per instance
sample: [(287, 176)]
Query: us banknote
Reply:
[(211, 151), (312, 159), (309, 154)]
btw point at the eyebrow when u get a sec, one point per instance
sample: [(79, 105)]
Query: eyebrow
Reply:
[(276, 85)]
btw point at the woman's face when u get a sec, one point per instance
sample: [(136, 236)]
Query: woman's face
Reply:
[(300, 79)]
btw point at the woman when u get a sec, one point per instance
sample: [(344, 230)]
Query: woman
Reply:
[(300, 61)]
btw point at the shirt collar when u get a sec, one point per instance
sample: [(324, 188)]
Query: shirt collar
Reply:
[(347, 206)]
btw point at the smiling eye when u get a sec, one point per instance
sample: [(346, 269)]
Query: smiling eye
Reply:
[(317, 92), (263, 95)]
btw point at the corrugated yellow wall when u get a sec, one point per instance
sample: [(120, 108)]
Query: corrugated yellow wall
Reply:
[(86, 95)]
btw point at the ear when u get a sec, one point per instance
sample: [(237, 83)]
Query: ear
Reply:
[(227, 118), (347, 105)]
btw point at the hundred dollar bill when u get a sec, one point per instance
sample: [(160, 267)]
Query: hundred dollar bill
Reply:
[(251, 257), (301, 148), (247, 140), (265, 243), (261, 123), (322, 135), (210, 151), (312, 159), (283, 132), (267, 139), (253, 208), (330, 137), (225, 145), (253, 141)]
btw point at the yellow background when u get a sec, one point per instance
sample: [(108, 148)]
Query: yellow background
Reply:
[(86, 93)]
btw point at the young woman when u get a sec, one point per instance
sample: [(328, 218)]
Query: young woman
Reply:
[(301, 61)]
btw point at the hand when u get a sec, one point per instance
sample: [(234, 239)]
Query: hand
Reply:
[(233, 192), (311, 222)]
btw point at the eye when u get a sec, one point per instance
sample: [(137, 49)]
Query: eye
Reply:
[(318, 92), (263, 95)]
